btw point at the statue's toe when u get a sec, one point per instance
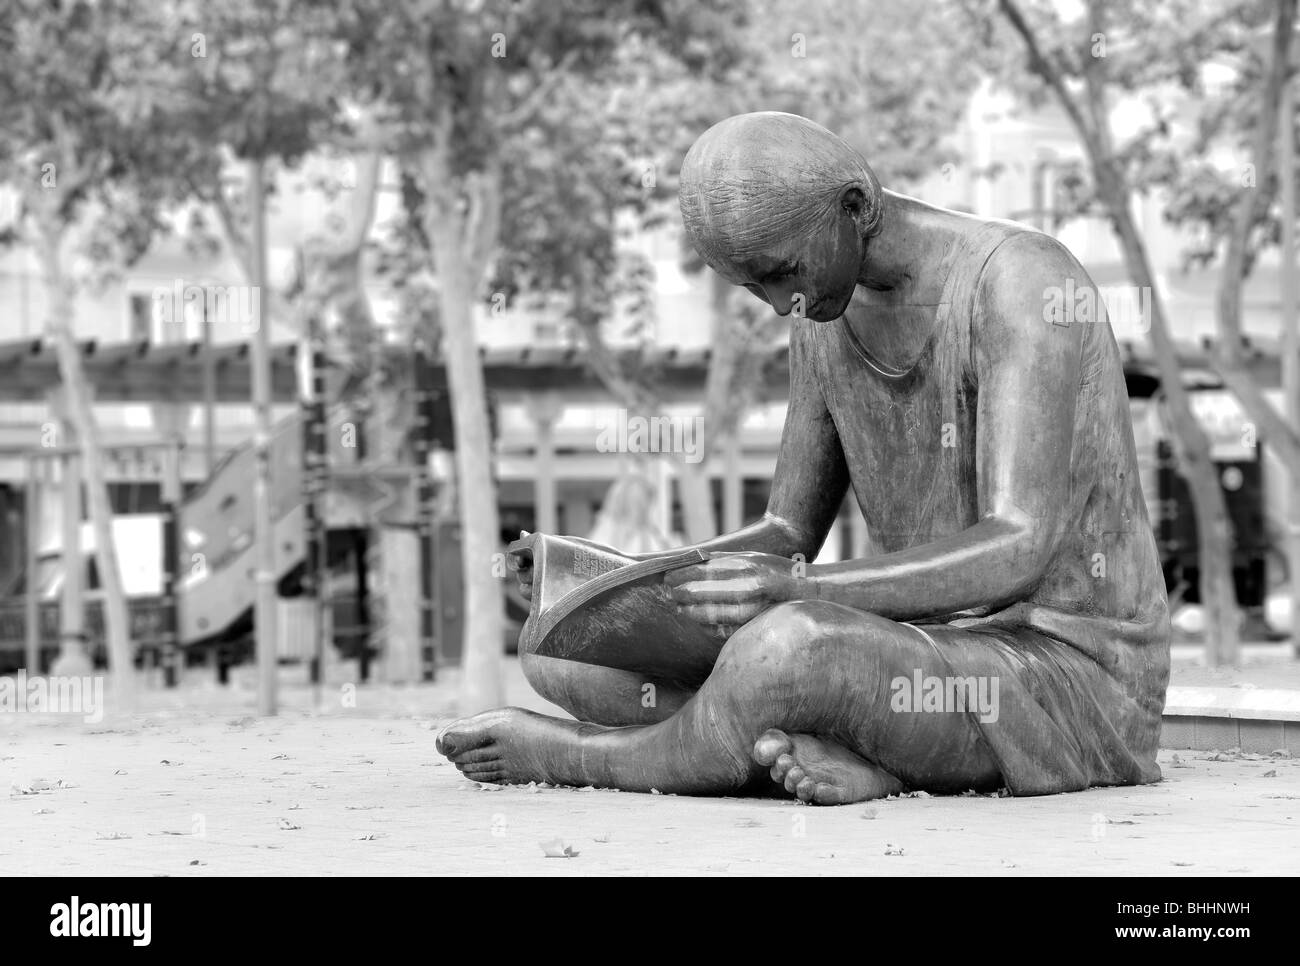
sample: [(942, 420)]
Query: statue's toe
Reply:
[(771, 745), (460, 737), (444, 743), (793, 776)]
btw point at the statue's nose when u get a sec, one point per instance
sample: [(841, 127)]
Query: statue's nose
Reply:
[(780, 297)]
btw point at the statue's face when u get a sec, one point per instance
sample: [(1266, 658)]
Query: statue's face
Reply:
[(813, 276)]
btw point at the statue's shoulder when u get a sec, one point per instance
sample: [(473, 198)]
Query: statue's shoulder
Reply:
[(1010, 253), (1021, 275)]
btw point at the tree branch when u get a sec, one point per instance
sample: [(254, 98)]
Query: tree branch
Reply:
[(1254, 202), (234, 237), (540, 93), (1047, 69)]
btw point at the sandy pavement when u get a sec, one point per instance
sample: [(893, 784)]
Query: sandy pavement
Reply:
[(194, 784)]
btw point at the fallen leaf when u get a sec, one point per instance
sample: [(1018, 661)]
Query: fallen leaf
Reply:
[(558, 849), (894, 849), (112, 836), (288, 826), (166, 762), (43, 811), (294, 807), (278, 757), (603, 837), (197, 862), (119, 772), (1271, 773), (367, 837)]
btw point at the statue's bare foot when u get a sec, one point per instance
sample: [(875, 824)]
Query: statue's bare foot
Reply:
[(821, 772), (508, 746)]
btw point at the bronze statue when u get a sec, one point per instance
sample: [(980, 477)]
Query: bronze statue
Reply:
[(1009, 626)]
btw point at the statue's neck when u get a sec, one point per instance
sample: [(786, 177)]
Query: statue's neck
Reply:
[(895, 307), (901, 258)]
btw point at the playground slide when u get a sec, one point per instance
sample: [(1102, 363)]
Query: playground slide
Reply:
[(217, 567)]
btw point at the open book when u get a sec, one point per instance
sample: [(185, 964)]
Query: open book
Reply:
[(593, 605)]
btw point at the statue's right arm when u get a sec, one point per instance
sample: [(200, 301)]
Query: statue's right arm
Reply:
[(811, 474)]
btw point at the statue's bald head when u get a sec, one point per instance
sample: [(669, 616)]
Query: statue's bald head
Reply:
[(754, 179)]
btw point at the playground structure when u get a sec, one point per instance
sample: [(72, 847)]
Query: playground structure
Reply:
[(327, 499)]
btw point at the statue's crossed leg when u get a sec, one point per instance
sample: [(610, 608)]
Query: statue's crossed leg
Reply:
[(801, 694)]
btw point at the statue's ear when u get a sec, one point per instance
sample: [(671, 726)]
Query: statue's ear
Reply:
[(853, 200)]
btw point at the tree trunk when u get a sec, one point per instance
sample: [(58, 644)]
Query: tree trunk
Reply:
[(1227, 359), (696, 487), (1213, 529), (460, 240), (59, 326), (395, 554)]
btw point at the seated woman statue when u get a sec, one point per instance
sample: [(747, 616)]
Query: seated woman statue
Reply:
[(1008, 626)]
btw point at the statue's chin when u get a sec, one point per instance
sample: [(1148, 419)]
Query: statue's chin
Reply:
[(821, 312)]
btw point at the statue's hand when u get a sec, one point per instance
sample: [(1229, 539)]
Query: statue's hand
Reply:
[(731, 589), (521, 562)]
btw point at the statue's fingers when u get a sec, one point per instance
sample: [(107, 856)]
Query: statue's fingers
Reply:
[(726, 591), (726, 615), (686, 575)]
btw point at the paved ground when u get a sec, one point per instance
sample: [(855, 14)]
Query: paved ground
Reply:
[(196, 785)]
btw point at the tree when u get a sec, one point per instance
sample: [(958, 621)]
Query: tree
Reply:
[(1234, 213), (77, 136), (469, 87), (243, 94), (1085, 67)]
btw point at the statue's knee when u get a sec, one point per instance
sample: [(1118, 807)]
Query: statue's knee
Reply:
[(813, 639), (786, 638), (543, 675)]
